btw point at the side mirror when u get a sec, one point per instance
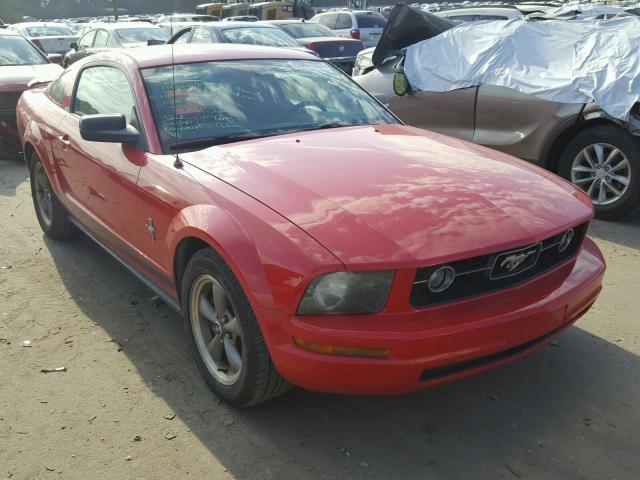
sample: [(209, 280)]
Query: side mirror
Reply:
[(55, 58), (400, 84), (110, 128), (73, 45), (154, 41)]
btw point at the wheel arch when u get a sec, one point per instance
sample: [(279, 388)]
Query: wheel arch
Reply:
[(553, 152), (206, 226)]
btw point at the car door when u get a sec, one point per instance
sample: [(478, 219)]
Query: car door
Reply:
[(84, 47), (451, 113), (100, 41), (103, 176)]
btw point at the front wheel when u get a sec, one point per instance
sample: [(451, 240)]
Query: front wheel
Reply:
[(224, 334), (53, 218), (604, 161)]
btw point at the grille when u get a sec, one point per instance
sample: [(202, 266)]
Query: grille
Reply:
[(488, 273)]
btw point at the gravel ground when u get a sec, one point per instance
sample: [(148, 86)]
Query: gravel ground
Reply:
[(131, 403)]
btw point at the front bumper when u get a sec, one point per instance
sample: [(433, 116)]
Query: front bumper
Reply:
[(437, 344)]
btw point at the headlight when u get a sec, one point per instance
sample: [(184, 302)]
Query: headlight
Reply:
[(347, 292)]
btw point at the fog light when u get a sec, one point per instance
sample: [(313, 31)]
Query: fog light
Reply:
[(565, 241), (441, 279), (338, 350)]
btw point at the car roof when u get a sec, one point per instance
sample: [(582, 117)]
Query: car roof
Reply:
[(162, 55), (287, 22), (9, 33), (117, 25), (231, 25)]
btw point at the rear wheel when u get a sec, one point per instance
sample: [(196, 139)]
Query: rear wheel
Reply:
[(604, 161), (53, 218), (225, 337)]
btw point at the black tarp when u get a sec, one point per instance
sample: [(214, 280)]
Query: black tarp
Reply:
[(405, 27)]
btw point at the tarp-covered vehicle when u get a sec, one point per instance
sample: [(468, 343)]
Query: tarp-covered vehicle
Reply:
[(560, 94)]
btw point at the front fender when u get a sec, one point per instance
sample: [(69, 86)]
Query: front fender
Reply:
[(273, 259), (216, 227)]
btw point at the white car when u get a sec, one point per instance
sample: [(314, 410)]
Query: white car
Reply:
[(481, 13), (359, 24)]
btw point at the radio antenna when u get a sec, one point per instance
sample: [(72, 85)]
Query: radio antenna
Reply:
[(177, 163)]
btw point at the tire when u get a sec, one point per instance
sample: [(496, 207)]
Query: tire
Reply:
[(257, 380), (53, 218), (599, 142)]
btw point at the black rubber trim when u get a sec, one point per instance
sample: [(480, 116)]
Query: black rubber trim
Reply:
[(166, 297), (455, 368)]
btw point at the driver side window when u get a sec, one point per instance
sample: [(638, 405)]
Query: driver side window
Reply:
[(183, 37), (103, 90), (202, 35), (87, 40)]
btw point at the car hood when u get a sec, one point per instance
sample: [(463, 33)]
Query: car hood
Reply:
[(16, 77), (395, 196)]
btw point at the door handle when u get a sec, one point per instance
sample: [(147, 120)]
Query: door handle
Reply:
[(64, 140)]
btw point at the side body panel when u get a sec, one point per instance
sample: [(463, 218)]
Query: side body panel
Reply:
[(517, 123), (450, 113)]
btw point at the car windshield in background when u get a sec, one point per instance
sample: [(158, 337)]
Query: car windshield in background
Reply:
[(222, 102), (49, 31), (15, 50), (272, 37), (370, 20), (306, 30), (141, 35)]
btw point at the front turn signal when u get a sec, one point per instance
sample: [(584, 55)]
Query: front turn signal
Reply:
[(341, 351)]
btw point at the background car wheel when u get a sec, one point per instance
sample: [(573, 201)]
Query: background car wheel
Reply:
[(604, 161), (52, 216), (224, 334)]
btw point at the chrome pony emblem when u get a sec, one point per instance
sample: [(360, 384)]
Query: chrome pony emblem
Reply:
[(512, 262), (515, 262)]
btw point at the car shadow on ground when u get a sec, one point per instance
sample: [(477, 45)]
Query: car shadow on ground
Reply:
[(11, 177), (625, 231), (566, 411)]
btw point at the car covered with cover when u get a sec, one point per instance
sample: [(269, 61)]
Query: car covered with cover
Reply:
[(542, 91)]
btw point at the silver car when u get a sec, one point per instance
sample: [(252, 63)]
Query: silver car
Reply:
[(359, 24), (580, 142)]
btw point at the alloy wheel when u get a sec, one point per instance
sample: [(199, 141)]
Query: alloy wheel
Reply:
[(216, 329), (603, 172), (44, 194)]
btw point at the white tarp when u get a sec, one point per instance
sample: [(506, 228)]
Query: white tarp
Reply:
[(562, 61)]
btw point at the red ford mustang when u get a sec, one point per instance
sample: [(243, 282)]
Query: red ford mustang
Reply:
[(307, 236)]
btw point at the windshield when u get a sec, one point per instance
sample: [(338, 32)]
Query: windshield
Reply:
[(271, 37), (306, 30), (15, 50), (219, 102), (49, 31), (142, 35)]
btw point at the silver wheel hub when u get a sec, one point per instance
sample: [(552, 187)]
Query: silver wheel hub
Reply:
[(603, 172), (216, 329)]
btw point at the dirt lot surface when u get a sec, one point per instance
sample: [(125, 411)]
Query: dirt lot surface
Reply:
[(131, 403)]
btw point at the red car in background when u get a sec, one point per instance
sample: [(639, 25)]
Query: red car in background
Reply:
[(20, 64), (306, 235)]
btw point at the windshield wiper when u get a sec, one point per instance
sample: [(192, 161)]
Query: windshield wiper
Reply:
[(210, 142), (306, 128)]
